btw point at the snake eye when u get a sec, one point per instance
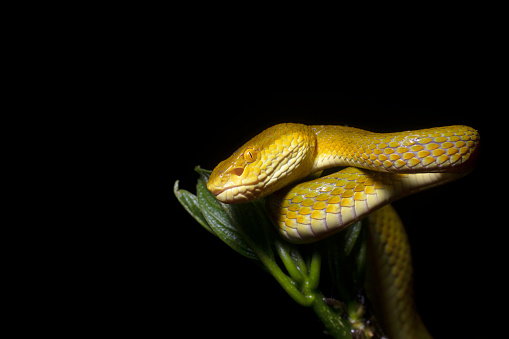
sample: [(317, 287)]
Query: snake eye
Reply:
[(250, 155)]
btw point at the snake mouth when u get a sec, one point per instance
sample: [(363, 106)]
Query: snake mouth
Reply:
[(232, 194)]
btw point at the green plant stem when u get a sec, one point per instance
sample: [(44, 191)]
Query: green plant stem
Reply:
[(314, 270), (337, 327), (283, 251), (308, 295), (288, 284)]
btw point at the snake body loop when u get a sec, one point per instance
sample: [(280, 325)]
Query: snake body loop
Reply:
[(318, 208), (388, 166), (381, 168)]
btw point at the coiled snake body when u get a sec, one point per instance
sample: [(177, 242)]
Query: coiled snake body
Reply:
[(381, 168)]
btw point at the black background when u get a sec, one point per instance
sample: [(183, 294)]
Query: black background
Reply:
[(201, 104), (144, 96)]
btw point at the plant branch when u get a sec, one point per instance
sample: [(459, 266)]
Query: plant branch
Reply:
[(336, 326)]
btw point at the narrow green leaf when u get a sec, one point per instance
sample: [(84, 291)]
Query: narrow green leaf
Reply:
[(314, 270), (190, 203), (253, 224), (351, 236), (219, 218), (357, 258), (341, 253), (247, 229), (360, 261), (204, 173)]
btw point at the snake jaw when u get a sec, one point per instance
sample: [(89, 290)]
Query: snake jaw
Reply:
[(232, 195), (234, 190)]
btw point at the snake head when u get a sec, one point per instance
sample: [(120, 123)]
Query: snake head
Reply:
[(279, 155)]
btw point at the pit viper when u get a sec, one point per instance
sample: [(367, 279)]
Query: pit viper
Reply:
[(380, 168)]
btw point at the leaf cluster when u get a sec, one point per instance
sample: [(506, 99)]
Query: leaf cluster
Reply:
[(247, 229)]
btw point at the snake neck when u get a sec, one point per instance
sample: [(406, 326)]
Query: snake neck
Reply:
[(332, 145), (441, 149)]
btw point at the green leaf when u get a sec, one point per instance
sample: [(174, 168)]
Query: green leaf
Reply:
[(219, 217), (343, 253), (244, 227), (351, 236), (360, 261), (190, 202)]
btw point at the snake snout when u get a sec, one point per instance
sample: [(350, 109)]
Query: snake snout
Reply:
[(233, 185)]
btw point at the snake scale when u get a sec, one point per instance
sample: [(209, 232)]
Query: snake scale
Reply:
[(380, 168)]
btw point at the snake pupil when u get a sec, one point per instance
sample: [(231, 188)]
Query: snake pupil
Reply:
[(250, 155)]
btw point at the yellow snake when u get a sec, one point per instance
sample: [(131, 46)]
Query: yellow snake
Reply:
[(384, 168)]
